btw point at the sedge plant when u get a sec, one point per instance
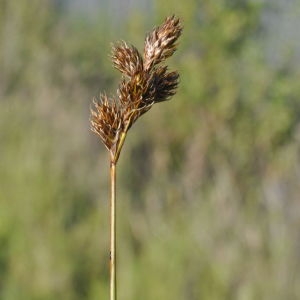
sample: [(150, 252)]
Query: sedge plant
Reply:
[(145, 81)]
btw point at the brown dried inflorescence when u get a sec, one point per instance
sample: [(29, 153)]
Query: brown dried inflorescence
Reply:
[(145, 81)]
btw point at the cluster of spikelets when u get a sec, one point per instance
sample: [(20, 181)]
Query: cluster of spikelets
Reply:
[(145, 81)]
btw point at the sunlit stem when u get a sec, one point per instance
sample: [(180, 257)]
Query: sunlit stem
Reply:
[(113, 264)]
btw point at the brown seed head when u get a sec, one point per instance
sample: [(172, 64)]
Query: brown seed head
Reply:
[(144, 82), (163, 84), (161, 42), (127, 59), (106, 120)]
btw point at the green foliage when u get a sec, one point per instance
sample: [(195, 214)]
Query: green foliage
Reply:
[(208, 183)]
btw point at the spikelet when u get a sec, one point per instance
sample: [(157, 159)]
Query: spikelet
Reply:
[(145, 81), (127, 59), (161, 42), (106, 120)]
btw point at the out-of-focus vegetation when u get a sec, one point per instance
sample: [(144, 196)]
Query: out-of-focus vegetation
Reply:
[(208, 183)]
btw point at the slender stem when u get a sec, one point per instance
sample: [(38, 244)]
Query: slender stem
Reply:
[(113, 281)]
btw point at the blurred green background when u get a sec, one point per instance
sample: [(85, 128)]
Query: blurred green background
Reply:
[(208, 183)]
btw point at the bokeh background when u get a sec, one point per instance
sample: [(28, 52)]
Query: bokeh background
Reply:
[(208, 183)]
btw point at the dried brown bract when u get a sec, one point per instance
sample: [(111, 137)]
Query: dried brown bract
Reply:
[(145, 81)]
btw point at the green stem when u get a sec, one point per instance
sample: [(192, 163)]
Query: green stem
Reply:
[(113, 265)]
